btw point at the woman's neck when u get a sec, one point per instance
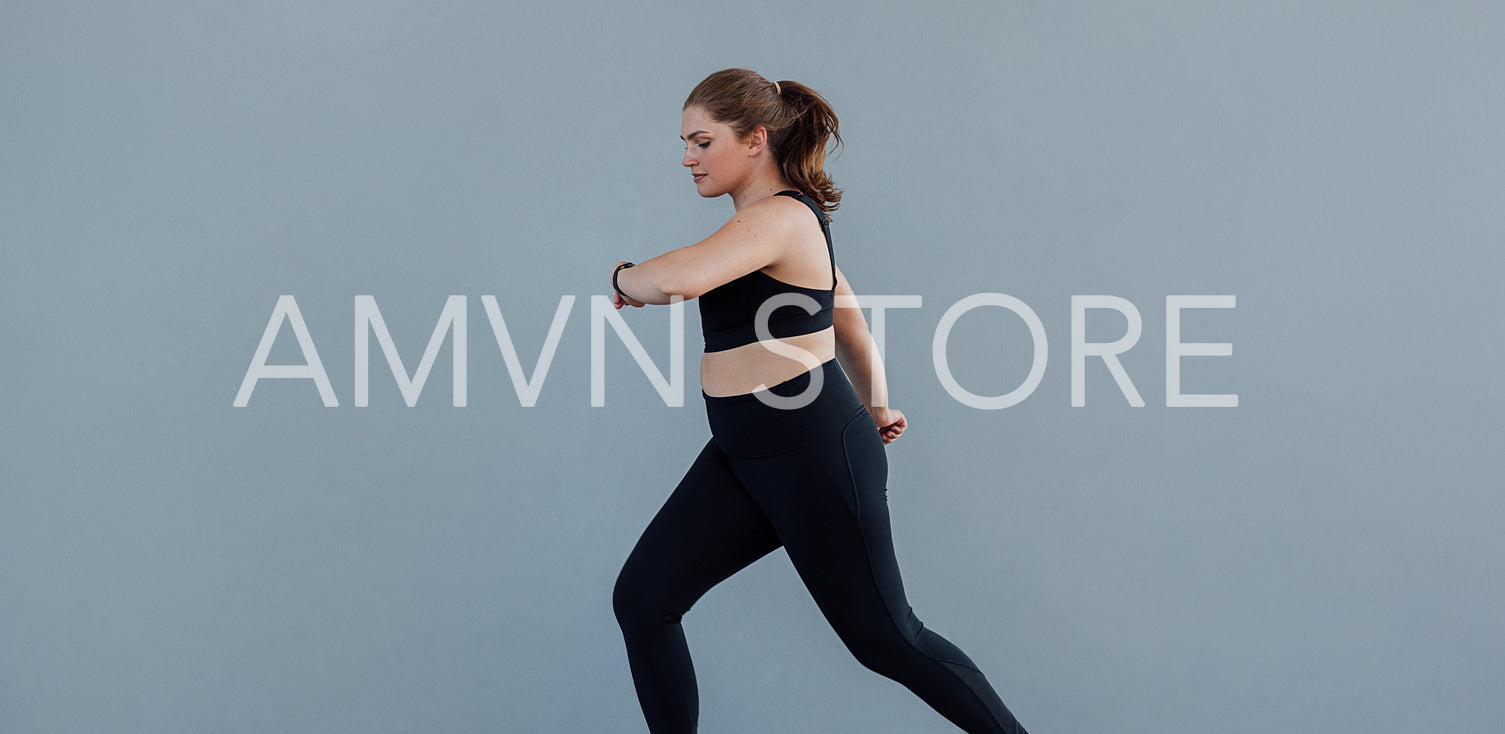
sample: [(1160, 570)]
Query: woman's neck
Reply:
[(759, 190)]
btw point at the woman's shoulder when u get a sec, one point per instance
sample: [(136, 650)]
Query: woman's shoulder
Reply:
[(782, 213), (797, 207)]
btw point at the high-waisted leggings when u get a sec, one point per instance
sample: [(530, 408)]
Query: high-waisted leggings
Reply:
[(813, 480)]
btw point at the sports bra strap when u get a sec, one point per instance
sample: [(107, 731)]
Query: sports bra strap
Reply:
[(825, 226)]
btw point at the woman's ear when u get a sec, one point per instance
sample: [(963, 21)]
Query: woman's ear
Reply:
[(757, 140)]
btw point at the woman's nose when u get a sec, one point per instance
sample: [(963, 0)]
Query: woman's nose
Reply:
[(689, 160)]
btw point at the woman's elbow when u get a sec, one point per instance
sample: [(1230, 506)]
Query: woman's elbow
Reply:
[(671, 289), (680, 285), (851, 330)]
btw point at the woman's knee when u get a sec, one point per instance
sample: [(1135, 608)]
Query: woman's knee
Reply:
[(889, 649), (879, 649), (639, 597), (884, 658), (627, 598)]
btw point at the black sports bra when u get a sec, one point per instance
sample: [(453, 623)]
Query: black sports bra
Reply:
[(727, 311)]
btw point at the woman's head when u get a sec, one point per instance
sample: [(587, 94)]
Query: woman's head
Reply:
[(799, 124)]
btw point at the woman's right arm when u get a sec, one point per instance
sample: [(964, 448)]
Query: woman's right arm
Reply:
[(858, 354), (856, 349)]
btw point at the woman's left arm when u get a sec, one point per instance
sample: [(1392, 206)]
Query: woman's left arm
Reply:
[(617, 299), (752, 239)]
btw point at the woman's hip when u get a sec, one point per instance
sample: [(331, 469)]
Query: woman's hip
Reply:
[(809, 410)]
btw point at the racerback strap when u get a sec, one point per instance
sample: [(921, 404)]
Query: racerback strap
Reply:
[(825, 226)]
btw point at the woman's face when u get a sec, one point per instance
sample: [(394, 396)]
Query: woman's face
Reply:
[(717, 160)]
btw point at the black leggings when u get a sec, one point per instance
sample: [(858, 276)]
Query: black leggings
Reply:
[(814, 480)]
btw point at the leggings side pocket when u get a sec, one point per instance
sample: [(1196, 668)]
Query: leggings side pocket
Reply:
[(867, 464)]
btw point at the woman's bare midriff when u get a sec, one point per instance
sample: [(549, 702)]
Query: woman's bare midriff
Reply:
[(741, 370)]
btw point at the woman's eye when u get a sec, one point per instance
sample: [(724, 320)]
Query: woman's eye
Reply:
[(703, 145)]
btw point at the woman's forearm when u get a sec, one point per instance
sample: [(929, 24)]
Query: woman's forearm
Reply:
[(858, 354), (644, 282)]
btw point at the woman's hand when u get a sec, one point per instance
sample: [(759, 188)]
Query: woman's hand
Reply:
[(889, 421), (617, 299)]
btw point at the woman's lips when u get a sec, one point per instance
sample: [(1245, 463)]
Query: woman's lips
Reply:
[(697, 176)]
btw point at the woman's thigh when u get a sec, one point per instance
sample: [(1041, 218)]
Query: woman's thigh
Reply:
[(828, 503), (708, 529)]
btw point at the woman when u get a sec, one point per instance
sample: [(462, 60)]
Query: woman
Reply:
[(799, 464)]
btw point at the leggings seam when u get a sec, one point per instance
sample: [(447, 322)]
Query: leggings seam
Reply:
[(873, 573), (968, 686)]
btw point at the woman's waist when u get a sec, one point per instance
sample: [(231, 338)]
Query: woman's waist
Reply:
[(741, 370)]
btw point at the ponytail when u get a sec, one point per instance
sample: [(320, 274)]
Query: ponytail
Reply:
[(804, 143)]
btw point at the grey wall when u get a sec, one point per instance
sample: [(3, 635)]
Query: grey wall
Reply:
[(1325, 557)]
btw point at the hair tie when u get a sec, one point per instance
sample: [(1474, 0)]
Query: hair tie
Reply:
[(776, 89)]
